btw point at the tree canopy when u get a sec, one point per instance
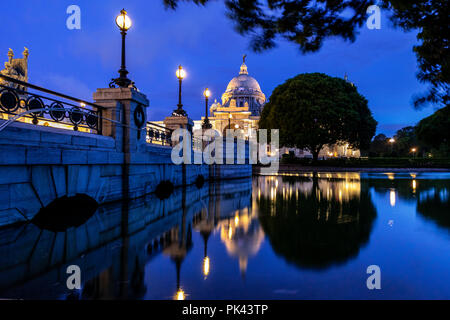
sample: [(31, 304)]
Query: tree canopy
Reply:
[(435, 129), (309, 22), (313, 109)]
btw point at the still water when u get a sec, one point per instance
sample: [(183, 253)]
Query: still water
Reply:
[(270, 237)]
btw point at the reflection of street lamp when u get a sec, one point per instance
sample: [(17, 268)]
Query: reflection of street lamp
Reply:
[(124, 23), (181, 74), (179, 295), (206, 124), (206, 266)]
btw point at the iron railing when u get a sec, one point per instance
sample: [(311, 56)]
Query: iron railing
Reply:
[(157, 134), (22, 100)]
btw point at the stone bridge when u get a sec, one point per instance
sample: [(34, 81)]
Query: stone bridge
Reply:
[(114, 245), (60, 147)]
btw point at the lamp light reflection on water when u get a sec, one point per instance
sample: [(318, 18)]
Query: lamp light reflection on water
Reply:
[(206, 266), (392, 197), (180, 295)]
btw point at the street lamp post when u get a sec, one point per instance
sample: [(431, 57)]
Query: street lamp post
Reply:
[(206, 124), (124, 23), (413, 150), (391, 141), (180, 75)]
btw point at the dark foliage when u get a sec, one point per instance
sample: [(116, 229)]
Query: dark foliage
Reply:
[(308, 23)]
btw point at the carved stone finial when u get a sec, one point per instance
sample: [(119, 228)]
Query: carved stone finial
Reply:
[(25, 53), (243, 66)]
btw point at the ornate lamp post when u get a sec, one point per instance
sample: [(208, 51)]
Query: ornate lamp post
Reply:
[(229, 120), (206, 124), (391, 142), (180, 75), (124, 23)]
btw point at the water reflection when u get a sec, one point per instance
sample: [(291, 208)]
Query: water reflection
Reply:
[(113, 246), (431, 197), (315, 223), (203, 241)]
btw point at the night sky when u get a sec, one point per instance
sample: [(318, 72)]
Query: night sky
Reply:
[(76, 62)]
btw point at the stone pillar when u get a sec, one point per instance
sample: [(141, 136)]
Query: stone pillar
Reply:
[(175, 122), (125, 120), (126, 107)]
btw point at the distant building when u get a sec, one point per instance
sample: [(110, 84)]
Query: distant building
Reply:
[(241, 106)]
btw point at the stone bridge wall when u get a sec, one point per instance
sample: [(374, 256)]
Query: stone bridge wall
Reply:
[(39, 164)]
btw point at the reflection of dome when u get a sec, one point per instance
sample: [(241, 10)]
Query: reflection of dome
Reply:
[(242, 238)]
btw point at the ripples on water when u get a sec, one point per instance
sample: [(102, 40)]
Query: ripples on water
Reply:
[(271, 237)]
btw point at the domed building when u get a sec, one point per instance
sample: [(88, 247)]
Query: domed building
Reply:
[(241, 106)]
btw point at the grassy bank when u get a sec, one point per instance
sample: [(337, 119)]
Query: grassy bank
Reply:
[(371, 162)]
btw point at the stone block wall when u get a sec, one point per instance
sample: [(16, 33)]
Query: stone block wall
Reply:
[(39, 164)]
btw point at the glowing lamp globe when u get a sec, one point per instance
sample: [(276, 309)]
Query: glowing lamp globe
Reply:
[(123, 21)]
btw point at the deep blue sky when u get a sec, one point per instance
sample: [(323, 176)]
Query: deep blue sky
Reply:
[(76, 62)]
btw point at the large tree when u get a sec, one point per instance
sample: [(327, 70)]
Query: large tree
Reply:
[(309, 22), (405, 140), (313, 110), (434, 130)]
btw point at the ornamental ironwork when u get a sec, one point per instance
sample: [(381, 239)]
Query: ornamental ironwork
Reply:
[(157, 134), (51, 108)]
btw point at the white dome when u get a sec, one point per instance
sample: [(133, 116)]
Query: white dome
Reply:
[(243, 82)]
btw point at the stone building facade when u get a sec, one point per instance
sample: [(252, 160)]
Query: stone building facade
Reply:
[(241, 105)]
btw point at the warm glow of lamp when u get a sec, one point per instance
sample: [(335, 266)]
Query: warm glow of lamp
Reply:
[(413, 149), (230, 116), (236, 126), (207, 93), (123, 21), (392, 198), (181, 74), (391, 140), (206, 266), (180, 295)]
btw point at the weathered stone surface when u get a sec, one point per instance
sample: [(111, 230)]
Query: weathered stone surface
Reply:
[(51, 137), (106, 142), (115, 158), (84, 141), (59, 179), (13, 174), (24, 199), (12, 155), (74, 156), (77, 179), (43, 156), (97, 157), (41, 178)]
